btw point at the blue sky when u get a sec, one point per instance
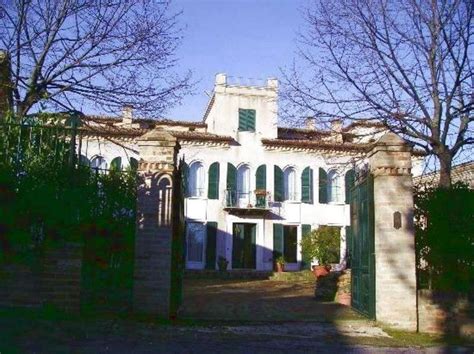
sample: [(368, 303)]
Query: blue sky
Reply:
[(245, 38)]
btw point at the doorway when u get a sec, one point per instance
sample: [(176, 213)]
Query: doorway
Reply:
[(244, 250)]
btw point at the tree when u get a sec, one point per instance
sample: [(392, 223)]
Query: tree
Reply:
[(104, 53), (407, 64)]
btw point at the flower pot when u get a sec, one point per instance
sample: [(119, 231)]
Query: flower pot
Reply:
[(321, 271), (279, 267), (344, 299)]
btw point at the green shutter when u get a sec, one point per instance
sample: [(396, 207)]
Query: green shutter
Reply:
[(277, 240), (349, 180), (261, 184), (213, 185), (133, 164), (231, 186), (278, 186), (116, 164), (261, 177), (185, 178), (323, 186), (307, 186), (211, 229), (247, 119), (306, 259)]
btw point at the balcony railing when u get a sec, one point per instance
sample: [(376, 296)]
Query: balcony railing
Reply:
[(246, 200)]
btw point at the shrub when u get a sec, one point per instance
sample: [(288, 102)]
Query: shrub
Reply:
[(322, 244), (445, 237)]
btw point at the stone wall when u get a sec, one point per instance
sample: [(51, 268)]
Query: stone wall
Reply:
[(445, 313), (55, 280)]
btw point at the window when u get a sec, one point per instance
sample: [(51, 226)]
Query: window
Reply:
[(116, 164), (334, 187), (246, 120), (99, 163), (285, 242), (196, 180), (84, 161), (243, 185), (290, 184), (195, 241), (133, 163)]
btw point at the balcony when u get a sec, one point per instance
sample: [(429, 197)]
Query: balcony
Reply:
[(249, 203)]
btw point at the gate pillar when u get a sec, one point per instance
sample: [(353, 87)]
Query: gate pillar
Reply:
[(153, 239), (395, 280)]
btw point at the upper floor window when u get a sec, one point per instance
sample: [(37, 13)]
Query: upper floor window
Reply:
[(99, 163), (290, 183), (246, 120), (196, 180), (334, 187)]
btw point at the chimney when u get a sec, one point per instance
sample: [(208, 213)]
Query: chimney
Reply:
[(310, 123), (221, 79), (127, 115), (336, 130)]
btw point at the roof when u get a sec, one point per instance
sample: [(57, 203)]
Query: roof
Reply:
[(155, 121), (317, 145), (463, 172)]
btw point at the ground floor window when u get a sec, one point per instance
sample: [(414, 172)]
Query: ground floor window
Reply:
[(285, 242), (195, 241), (290, 243)]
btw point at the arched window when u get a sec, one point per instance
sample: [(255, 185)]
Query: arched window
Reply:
[(243, 185), (290, 183), (116, 164), (84, 161), (196, 180), (133, 164), (334, 187), (99, 163)]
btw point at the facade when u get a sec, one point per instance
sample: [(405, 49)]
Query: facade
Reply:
[(253, 189)]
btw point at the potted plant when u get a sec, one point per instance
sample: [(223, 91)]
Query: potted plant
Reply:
[(323, 245), (280, 264), (222, 263)]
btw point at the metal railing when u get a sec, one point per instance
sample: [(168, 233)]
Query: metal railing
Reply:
[(247, 200)]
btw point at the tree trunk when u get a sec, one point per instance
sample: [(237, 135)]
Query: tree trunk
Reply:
[(445, 163)]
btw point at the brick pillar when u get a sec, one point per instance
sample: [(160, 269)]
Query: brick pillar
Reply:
[(395, 280), (152, 274)]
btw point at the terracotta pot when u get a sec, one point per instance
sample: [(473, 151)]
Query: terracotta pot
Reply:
[(279, 267), (321, 271)]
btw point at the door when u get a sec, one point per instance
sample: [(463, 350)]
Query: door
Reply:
[(195, 236), (244, 250), (362, 248)]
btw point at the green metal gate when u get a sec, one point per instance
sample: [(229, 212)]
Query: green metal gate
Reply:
[(362, 246)]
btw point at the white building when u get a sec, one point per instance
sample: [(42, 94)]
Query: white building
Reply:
[(254, 188)]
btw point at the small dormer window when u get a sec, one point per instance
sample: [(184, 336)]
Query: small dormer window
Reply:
[(246, 120)]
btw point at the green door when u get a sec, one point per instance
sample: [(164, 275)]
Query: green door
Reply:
[(244, 250), (362, 248)]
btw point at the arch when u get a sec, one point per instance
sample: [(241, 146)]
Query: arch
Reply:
[(196, 179), (243, 179), (164, 186)]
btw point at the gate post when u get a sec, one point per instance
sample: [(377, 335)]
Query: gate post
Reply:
[(395, 279), (153, 239)]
